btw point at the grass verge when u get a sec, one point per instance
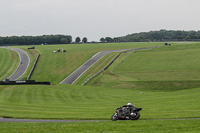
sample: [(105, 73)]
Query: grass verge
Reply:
[(9, 62), (149, 126)]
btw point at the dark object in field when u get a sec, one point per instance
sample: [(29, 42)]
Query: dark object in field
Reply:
[(22, 82), (32, 47), (166, 44), (126, 112), (64, 50), (58, 50)]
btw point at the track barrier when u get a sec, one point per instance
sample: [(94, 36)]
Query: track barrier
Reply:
[(33, 68)]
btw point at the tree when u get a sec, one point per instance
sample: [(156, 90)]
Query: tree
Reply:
[(78, 39), (102, 39), (84, 40), (1, 41), (108, 39), (63, 41)]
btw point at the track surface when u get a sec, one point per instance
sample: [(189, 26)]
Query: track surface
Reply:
[(32, 120), (78, 72), (24, 63)]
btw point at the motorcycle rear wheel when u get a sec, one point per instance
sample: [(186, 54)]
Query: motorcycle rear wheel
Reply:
[(136, 117)]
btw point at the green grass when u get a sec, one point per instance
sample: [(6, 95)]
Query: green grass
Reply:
[(9, 61), (177, 65), (153, 126), (171, 91), (77, 102), (55, 67)]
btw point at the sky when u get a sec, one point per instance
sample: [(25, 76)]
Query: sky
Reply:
[(96, 18)]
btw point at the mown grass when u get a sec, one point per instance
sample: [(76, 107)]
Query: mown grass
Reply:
[(176, 66), (152, 126), (160, 99), (55, 67), (77, 102), (9, 61)]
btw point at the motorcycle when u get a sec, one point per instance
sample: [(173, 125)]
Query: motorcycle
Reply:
[(126, 112)]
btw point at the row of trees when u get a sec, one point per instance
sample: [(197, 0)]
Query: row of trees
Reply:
[(31, 40), (162, 35)]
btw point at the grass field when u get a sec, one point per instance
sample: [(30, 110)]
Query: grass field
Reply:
[(177, 66), (170, 91), (77, 102), (9, 61), (55, 67), (154, 126)]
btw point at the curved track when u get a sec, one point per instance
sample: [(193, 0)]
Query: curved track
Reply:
[(24, 63)]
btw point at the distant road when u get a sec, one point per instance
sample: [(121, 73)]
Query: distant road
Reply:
[(78, 72), (23, 65)]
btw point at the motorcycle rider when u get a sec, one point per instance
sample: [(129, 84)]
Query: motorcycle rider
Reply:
[(127, 110)]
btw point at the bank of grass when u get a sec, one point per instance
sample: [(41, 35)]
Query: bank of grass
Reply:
[(55, 67), (77, 102), (177, 65), (9, 61), (149, 126)]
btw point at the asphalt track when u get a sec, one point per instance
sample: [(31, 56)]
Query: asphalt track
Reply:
[(23, 65), (78, 72), (36, 120)]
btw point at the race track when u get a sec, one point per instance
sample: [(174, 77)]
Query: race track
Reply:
[(23, 65), (37, 120)]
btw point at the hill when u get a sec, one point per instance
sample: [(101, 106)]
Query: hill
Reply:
[(165, 69), (161, 35)]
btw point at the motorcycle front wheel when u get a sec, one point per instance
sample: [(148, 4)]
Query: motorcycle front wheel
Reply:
[(136, 117), (114, 117)]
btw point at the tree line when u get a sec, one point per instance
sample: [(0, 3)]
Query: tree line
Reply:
[(161, 35), (34, 40)]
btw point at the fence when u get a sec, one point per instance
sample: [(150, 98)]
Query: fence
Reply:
[(31, 72)]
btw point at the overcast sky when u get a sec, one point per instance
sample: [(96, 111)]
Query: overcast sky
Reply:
[(96, 18)]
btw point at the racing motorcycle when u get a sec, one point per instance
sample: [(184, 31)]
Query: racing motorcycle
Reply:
[(126, 112)]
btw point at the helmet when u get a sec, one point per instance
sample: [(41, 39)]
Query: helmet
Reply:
[(129, 104)]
